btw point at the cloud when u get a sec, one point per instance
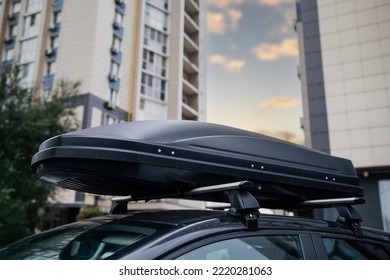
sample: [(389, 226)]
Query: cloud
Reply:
[(274, 3), (288, 20), (279, 102), (272, 52), (235, 16), (227, 63), (222, 4), (216, 23), (282, 134)]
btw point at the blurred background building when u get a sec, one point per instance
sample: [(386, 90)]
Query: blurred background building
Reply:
[(136, 60), (344, 70)]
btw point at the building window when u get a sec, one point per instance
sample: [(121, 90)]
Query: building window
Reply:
[(9, 54), (155, 40), (51, 68), (110, 119), (156, 18), (153, 87), (118, 20), (26, 74), (114, 71), (57, 17), (15, 8), (116, 44), (53, 43), (12, 31), (162, 4), (154, 63), (28, 50), (31, 25), (113, 96), (384, 196), (33, 6)]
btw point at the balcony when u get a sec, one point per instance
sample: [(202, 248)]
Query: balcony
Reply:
[(191, 7), (120, 7), (51, 54), (48, 81), (189, 88), (9, 43), (189, 113), (54, 31), (189, 45), (190, 108), (118, 31), (6, 66), (57, 5), (116, 56), (189, 66), (13, 19), (114, 83), (190, 26)]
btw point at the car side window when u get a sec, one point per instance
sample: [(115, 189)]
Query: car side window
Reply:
[(343, 249), (284, 247)]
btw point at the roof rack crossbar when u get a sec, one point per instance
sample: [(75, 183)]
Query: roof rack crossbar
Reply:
[(223, 187), (324, 203), (246, 206)]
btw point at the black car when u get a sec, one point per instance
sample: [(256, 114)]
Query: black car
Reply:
[(201, 235), (142, 161)]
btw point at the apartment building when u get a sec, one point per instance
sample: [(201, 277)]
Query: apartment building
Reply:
[(136, 60), (345, 76)]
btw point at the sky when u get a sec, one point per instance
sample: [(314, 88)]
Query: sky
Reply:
[(252, 80)]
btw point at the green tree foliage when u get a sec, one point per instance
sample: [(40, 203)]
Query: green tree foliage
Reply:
[(26, 120), (89, 212)]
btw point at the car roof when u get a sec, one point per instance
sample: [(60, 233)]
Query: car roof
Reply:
[(268, 222)]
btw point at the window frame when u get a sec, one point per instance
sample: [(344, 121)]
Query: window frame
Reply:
[(307, 247), (321, 250)]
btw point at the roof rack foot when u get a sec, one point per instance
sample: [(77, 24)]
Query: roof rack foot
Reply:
[(244, 204), (118, 207), (349, 215)]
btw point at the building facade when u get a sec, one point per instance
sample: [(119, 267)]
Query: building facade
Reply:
[(345, 76), (135, 60)]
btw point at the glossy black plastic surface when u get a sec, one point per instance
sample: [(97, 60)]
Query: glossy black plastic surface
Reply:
[(151, 159)]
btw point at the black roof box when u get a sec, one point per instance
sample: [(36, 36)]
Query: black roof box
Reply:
[(151, 159)]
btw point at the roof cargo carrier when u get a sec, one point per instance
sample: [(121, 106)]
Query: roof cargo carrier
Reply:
[(157, 159)]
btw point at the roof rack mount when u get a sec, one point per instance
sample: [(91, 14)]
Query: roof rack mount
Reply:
[(243, 203), (246, 206)]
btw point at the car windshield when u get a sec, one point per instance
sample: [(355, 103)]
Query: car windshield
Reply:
[(82, 241)]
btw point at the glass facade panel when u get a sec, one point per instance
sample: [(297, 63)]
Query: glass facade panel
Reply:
[(31, 25), (26, 74), (384, 196), (155, 40), (153, 87), (155, 18), (34, 6), (28, 50)]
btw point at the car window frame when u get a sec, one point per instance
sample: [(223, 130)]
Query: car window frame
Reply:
[(305, 240)]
